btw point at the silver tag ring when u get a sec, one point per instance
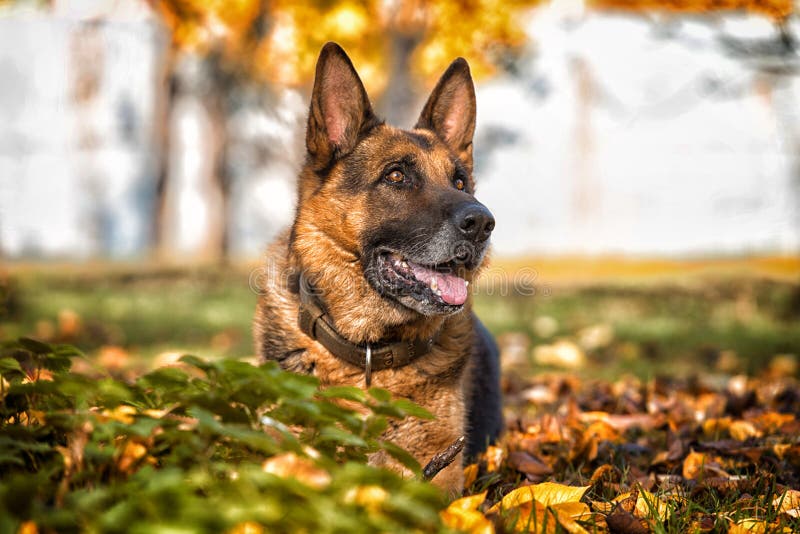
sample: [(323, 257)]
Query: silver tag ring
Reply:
[(368, 366)]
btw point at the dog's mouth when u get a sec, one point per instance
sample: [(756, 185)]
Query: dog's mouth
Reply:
[(440, 288)]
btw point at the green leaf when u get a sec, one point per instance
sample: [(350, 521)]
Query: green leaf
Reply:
[(35, 346), (201, 364), (9, 364), (344, 392), (402, 456), (413, 409), (342, 437), (380, 394)]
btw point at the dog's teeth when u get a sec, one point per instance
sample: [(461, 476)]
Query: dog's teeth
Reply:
[(466, 283), (434, 284), (404, 265)]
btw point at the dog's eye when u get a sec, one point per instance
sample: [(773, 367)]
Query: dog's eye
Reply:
[(459, 183), (395, 177)]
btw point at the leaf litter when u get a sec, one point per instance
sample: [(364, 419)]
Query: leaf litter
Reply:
[(638, 456)]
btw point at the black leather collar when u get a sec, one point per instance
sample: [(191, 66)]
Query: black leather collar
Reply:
[(315, 323)]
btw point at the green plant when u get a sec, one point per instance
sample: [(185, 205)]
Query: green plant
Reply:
[(201, 446)]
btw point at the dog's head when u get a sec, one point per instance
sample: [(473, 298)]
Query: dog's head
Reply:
[(388, 217)]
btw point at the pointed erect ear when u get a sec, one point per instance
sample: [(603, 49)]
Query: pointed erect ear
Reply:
[(450, 110), (340, 108)]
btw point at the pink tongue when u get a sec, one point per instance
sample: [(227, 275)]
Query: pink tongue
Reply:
[(453, 288)]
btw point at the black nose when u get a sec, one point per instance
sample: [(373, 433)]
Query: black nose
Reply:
[(474, 221)]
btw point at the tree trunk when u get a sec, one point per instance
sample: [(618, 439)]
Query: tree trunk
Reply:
[(399, 101)]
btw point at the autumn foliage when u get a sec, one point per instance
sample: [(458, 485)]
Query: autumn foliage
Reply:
[(636, 457), (776, 9), (279, 41)]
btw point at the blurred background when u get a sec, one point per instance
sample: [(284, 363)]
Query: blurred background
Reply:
[(642, 159)]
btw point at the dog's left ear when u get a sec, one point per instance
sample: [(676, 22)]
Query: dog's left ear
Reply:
[(450, 110)]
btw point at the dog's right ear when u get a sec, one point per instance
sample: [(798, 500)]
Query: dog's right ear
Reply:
[(340, 109)]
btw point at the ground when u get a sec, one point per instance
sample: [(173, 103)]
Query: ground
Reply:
[(672, 400)]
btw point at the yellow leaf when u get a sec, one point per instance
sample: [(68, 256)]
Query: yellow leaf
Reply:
[(28, 527), (463, 514), (748, 526), (470, 474), (772, 421), (370, 497), (122, 414), (788, 503), (494, 458), (132, 452), (575, 510), (470, 502), (291, 465), (603, 507), (247, 527), (716, 425), (546, 493), (650, 506), (533, 517), (780, 449), (647, 505), (741, 430), (569, 512), (698, 464), (470, 521)]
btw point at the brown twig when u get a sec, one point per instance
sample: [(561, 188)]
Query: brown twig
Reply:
[(442, 459)]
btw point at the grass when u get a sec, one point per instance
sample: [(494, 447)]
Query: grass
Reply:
[(675, 324)]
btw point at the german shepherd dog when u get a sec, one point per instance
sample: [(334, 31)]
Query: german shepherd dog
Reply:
[(386, 238)]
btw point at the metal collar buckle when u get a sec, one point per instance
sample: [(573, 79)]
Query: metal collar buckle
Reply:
[(368, 365)]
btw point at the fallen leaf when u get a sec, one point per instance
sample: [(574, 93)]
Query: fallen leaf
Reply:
[(69, 324), (545, 326), (470, 474), (698, 464), (494, 457), (596, 336), (562, 353), (604, 473), (714, 426), (470, 502), (370, 496), (528, 464), (537, 518), (748, 526), (546, 493), (462, 514), (246, 527), (771, 422), (622, 520), (783, 365), (113, 358), (788, 503), (742, 430), (647, 505), (289, 464)]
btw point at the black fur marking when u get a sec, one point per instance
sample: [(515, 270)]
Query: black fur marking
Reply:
[(484, 401), (420, 140)]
